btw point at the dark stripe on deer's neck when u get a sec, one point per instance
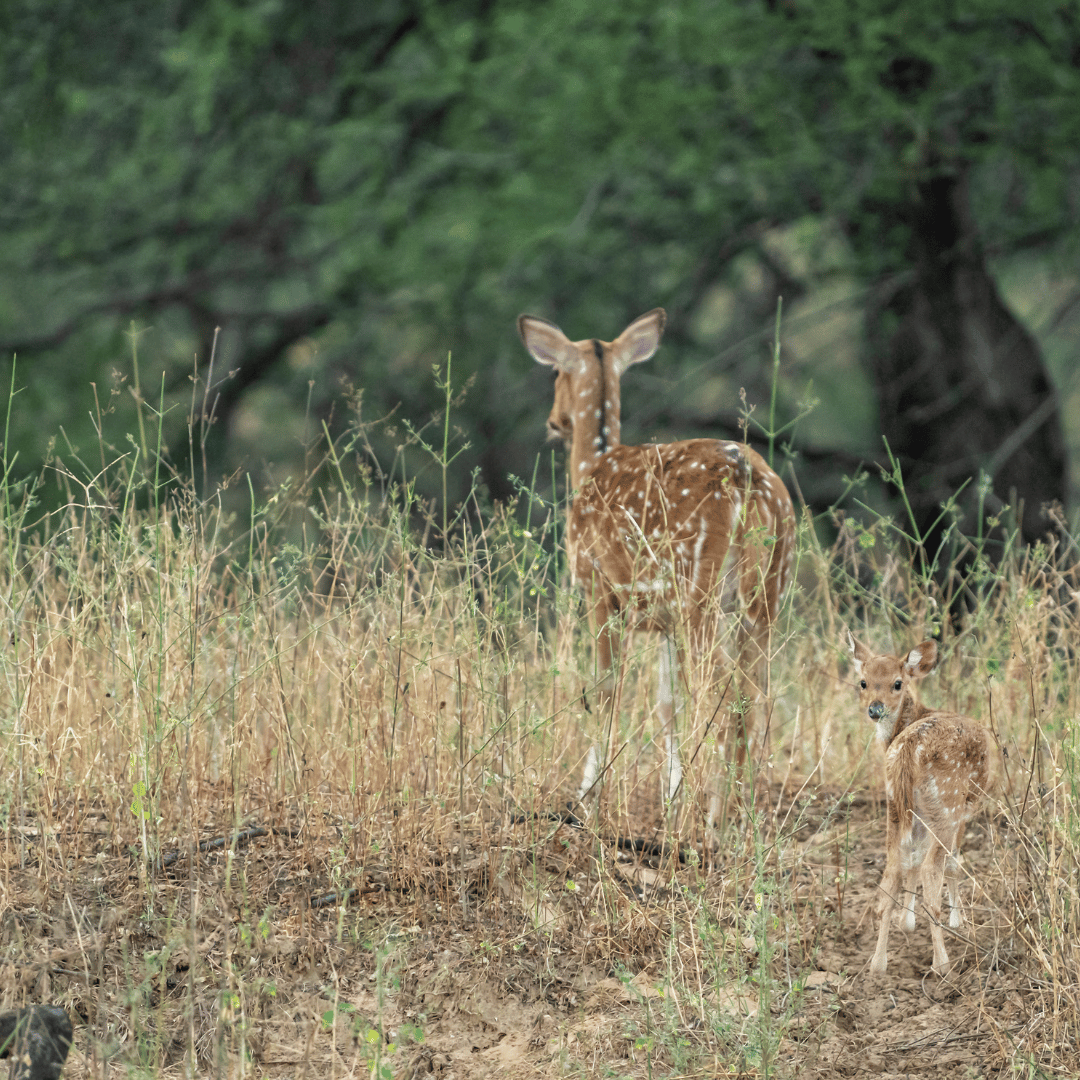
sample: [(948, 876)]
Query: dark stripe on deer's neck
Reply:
[(602, 446)]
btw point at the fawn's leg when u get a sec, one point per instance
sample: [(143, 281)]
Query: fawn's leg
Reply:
[(952, 879), (933, 873), (911, 877)]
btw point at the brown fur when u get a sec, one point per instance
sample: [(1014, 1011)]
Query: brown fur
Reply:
[(902, 775), (659, 535), (939, 769)]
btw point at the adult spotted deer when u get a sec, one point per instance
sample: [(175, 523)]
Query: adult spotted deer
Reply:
[(938, 771), (663, 537)]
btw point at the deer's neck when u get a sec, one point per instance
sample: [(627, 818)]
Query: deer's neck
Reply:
[(909, 712), (596, 412)]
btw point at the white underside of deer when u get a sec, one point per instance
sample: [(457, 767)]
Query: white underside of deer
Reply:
[(663, 537), (938, 773)]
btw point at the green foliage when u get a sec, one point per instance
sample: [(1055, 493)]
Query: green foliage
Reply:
[(349, 190)]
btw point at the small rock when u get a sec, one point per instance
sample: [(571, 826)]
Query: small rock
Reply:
[(38, 1039)]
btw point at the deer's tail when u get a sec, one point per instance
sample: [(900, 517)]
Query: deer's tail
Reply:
[(902, 772)]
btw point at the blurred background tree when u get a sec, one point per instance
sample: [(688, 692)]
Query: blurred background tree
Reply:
[(349, 192)]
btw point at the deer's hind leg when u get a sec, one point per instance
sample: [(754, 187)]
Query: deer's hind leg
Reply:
[(607, 652), (952, 878), (760, 575), (933, 874), (671, 775), (717, 678), (909, 885)]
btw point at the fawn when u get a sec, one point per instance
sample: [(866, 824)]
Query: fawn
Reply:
[(937, 775), (663, 537)]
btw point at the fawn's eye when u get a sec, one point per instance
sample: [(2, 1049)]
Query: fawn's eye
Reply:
[(898, 685), (862, 684)]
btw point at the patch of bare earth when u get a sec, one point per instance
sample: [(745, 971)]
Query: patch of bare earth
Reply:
[(539, 952)]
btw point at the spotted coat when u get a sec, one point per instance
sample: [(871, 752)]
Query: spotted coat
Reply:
[(663, 536), (939, 770)]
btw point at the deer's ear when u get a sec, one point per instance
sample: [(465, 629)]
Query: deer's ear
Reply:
[(547, 344), (922, 659), (639, 340), (860, 653)]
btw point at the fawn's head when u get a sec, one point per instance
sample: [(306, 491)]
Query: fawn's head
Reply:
[(883, 681), (586, 412)]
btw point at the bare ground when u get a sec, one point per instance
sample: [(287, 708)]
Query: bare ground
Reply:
[(532, 950)]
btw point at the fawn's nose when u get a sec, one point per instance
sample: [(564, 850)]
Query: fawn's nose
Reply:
[(876, 710)]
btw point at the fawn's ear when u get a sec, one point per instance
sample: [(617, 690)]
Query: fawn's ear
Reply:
[(921, 660), (639, 340), (547, 344), (859, 652)]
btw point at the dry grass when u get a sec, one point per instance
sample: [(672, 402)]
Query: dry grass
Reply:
[(399, 708)]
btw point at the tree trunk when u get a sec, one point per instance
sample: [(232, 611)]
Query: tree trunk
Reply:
[(961, 385)]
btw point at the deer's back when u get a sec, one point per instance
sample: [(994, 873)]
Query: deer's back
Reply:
[(657, 524), (941, 767)]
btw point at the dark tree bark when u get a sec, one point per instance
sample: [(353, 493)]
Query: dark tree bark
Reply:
[(961, 384)]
